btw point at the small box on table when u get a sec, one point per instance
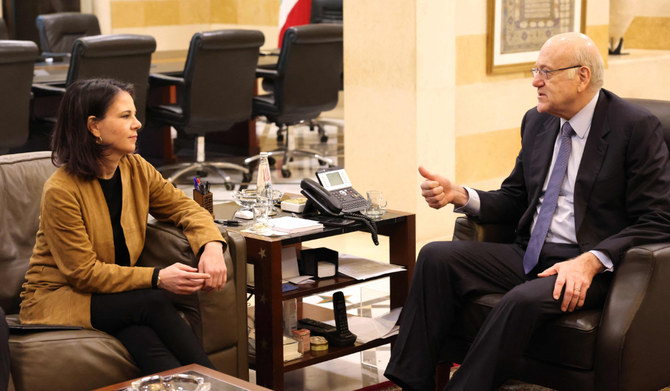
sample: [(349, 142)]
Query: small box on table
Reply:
[(318, 262)]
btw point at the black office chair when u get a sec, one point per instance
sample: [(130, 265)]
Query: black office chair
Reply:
[(58, 31), (4, 34), (17, 60), (214, 93), (326, 11), (125, 57), (305, 83)]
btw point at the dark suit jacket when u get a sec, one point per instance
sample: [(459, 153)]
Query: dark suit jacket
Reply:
[(622, 190)]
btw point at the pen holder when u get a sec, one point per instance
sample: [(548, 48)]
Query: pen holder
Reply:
[(204, 200)]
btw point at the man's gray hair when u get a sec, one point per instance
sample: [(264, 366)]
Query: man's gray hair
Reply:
[(588, 57)]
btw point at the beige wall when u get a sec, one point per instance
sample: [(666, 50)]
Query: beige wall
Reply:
[(469, 131), (650, 27), (173, 22)]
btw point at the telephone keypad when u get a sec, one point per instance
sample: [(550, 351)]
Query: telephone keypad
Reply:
[(351, 200)]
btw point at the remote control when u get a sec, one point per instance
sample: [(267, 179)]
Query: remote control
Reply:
[(345, 337)]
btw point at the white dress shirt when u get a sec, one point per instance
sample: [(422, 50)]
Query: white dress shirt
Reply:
[(562, 228)]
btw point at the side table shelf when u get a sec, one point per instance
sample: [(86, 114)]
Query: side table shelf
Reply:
[(310, 358), (265, 254), (324, 285)]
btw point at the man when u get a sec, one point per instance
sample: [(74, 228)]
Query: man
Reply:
[(4, 352), (591, 180)]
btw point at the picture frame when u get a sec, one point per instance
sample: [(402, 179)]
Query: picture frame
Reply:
[(516, 30)]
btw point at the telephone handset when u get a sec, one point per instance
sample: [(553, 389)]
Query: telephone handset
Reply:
[(325, 202), (328, 204)]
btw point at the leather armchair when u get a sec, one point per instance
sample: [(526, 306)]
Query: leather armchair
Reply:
[(58, 31), (305, 83), (214, 93), (626, 346), (125, 57), (17, 60), (87, 359), (326, 11), (4, 34)]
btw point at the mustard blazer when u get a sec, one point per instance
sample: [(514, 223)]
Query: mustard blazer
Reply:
[(73, 255)]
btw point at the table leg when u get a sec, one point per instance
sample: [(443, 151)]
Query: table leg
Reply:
[(402, 249), (266, 257)]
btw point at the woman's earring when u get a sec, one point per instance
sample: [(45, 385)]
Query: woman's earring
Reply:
[(99, 139)]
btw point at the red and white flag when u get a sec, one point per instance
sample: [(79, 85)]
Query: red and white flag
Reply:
[(293, 13)]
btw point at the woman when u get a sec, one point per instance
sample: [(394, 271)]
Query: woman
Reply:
[(92, 227)]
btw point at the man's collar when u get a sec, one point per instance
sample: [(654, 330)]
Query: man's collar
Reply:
[(581, 122)]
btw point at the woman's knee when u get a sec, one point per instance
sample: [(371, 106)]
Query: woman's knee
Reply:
[(155, 298)]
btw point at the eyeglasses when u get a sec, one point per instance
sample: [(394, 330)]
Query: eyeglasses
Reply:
[(545, 72)]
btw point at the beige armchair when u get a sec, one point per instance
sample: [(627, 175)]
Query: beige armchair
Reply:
[(87, 359)]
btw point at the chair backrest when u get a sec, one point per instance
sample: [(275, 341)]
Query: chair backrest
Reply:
[(4, 34), (125, 57), (326, 11), (17, 61), (219, 78), (659, 108), (58, 31), (309, 69), (22, 177)]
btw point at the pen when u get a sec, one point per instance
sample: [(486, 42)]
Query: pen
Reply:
[(195, 182), (230, 223)]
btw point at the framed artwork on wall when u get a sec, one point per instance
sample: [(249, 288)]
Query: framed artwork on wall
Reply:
[(518, 28)]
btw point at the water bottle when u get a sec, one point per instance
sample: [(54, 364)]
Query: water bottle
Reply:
[(264, 202), (264, 182)]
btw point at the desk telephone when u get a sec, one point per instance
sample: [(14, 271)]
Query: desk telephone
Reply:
[(331, 201)]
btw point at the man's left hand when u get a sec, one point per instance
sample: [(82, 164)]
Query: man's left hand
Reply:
[(575, 275), (213, 263)]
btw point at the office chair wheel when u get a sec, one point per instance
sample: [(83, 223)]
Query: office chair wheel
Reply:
[(272, 161), (285, 172), (324, 139), (246, 177), (230, 186), (280, 136)]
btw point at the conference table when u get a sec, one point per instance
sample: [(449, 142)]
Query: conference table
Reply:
[(241, 138)]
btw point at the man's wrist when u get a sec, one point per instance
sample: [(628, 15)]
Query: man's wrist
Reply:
[(594, 263)]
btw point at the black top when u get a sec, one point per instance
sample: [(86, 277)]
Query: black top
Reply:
[(112, 190)]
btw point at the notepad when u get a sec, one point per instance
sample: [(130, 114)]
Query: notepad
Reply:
[(293, 225)]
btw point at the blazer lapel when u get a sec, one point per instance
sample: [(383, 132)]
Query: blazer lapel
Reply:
[(543, 151), (540, 159), (592, 160)]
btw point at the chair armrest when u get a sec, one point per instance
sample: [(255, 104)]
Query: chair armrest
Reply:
[(43, 90), (267, 73), (634, 336), (219, 319), (162, 80), (467, 229)]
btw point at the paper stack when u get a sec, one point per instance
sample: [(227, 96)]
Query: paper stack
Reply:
[(293, 225)]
